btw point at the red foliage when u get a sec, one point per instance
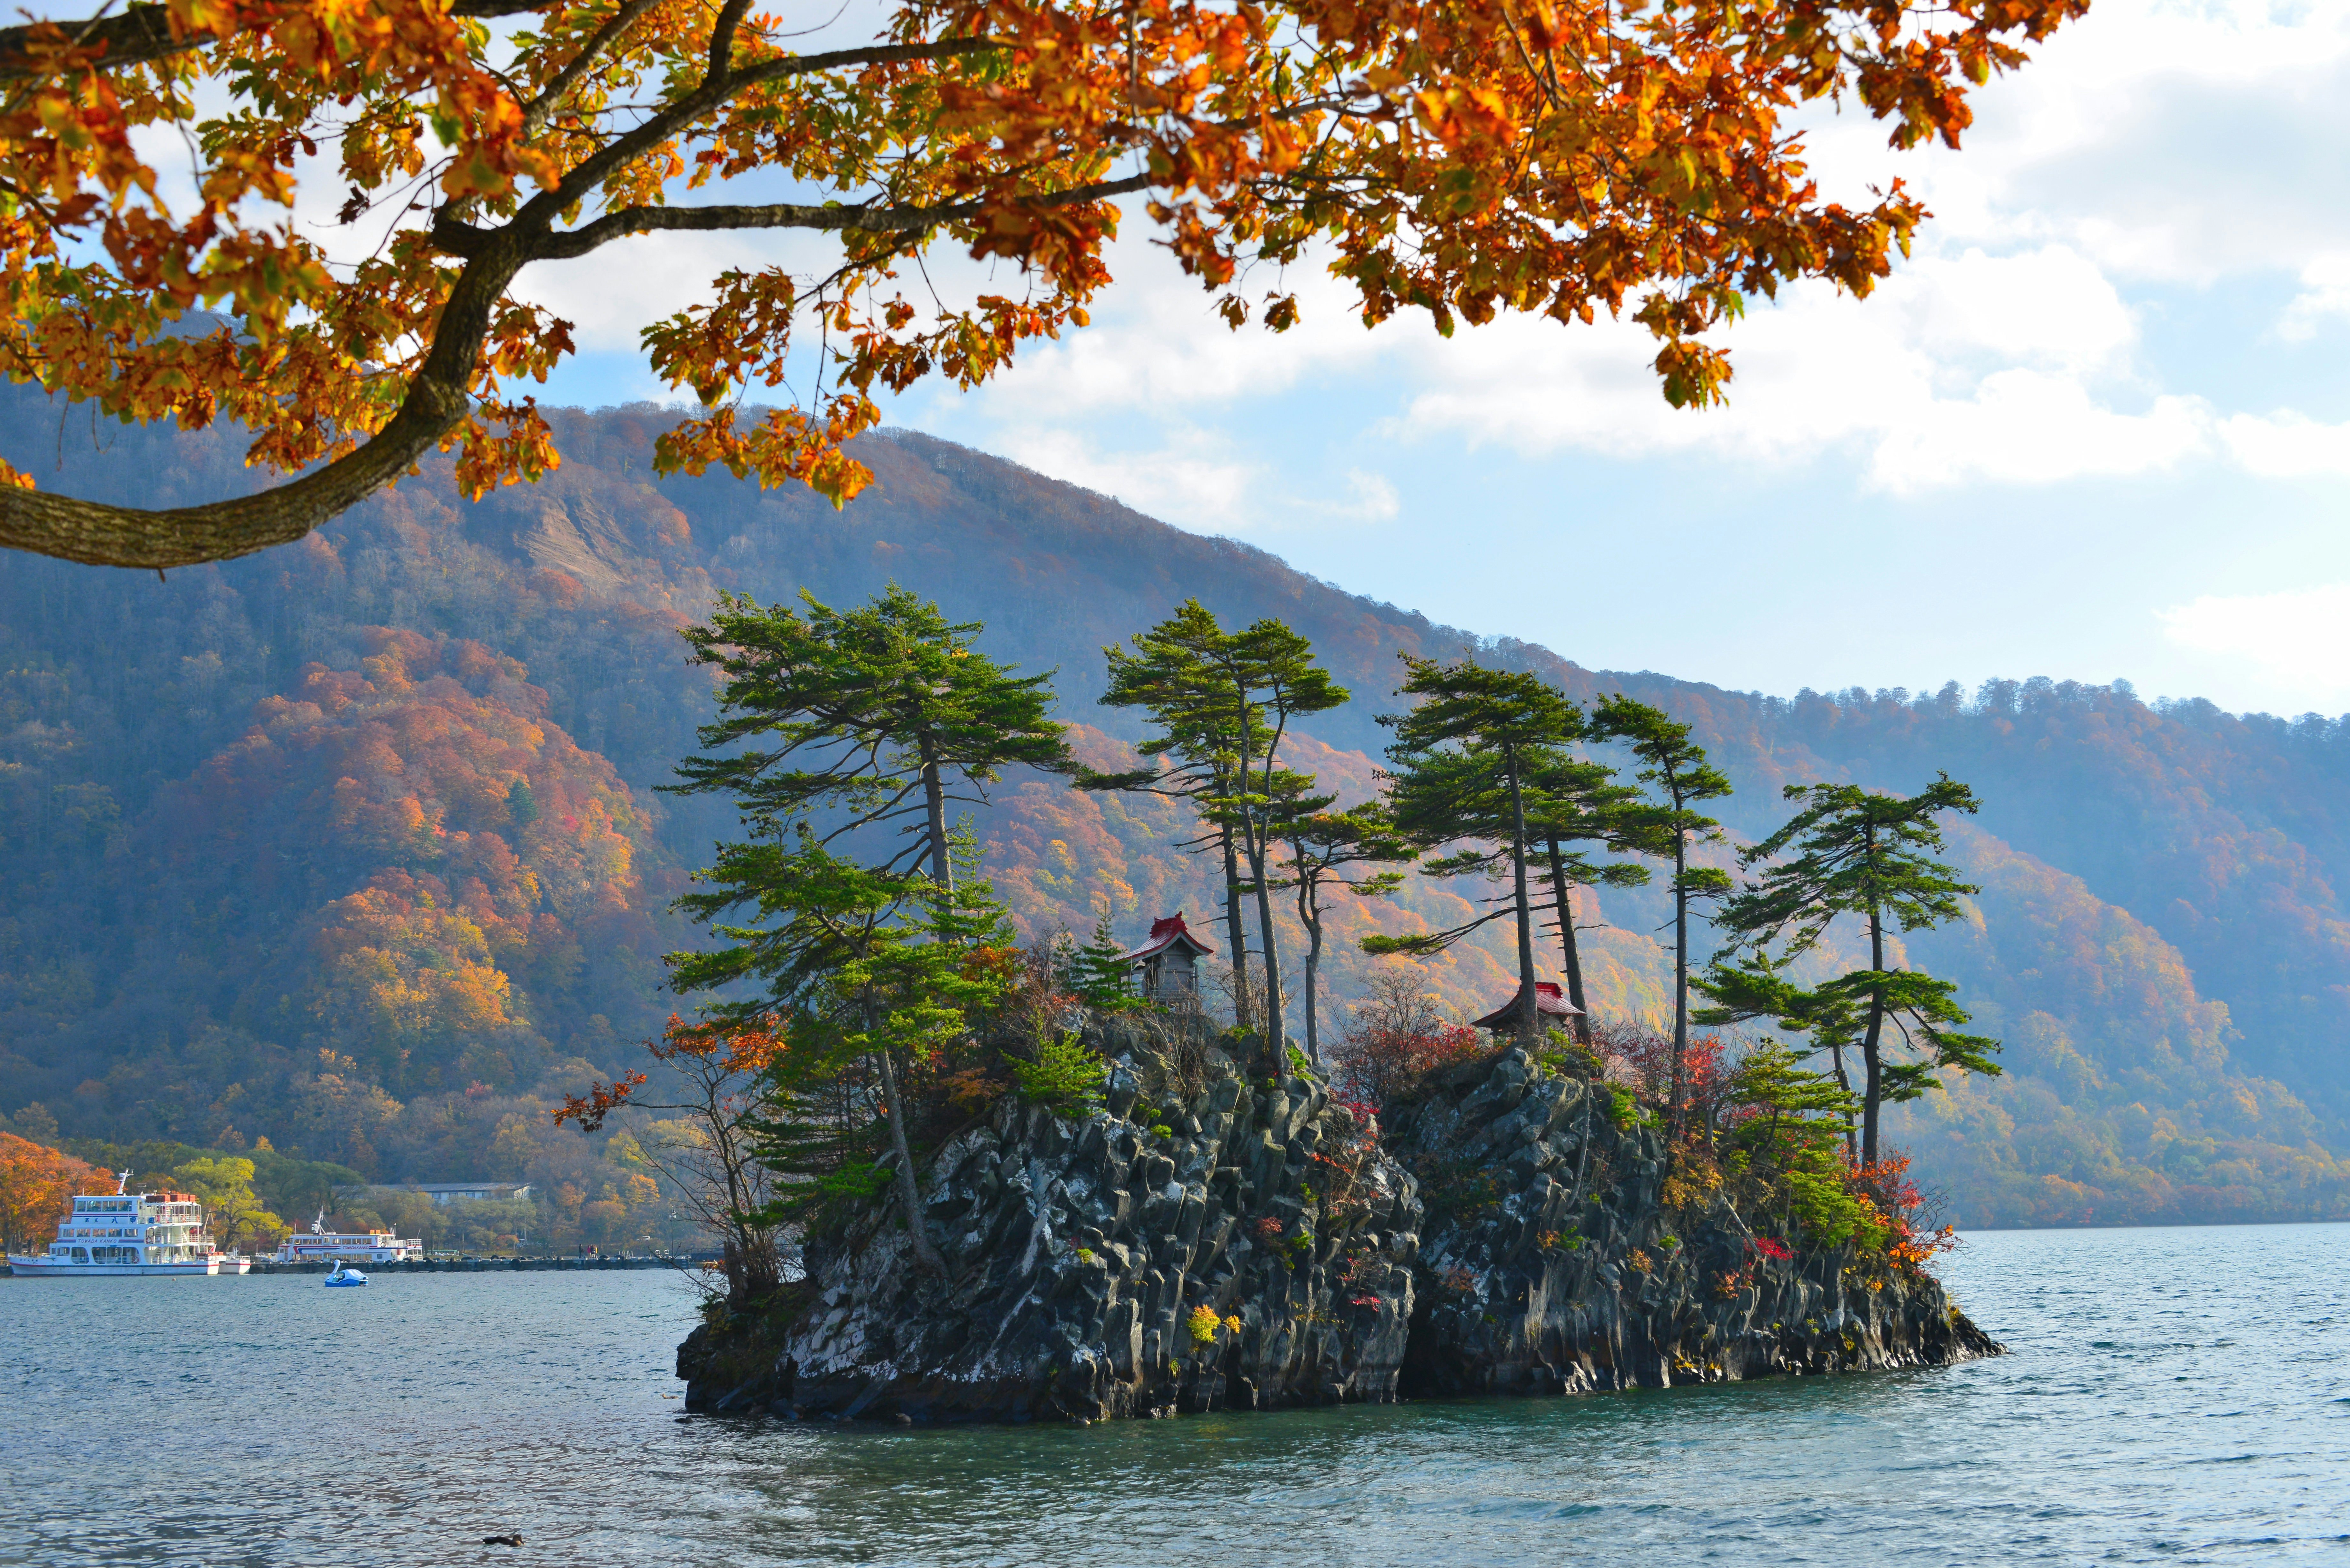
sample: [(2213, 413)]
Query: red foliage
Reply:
[(1642, 1059), (718, 1050), (1396, 1038), (1887, 1186)]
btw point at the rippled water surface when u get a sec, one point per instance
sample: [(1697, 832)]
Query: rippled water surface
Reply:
[(2172, 1396)]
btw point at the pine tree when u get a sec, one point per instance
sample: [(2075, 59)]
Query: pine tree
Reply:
[(1324, 846), (1464, 758), (1571, 802), (1676, 767), (1196, 754), (842, 903), (1098, 971), (1223, 703), (870, 716), (1870, 856)]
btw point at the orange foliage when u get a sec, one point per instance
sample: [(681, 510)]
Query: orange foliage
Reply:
[(715, 1051), (37, 1184), (440, 923), (1556, 160)]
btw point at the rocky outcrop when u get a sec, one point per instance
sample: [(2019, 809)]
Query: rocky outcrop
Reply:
[(1206, 1241), (1553, 1261)]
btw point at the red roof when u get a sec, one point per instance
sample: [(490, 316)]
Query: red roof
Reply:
[(1549, 1003), (1165, 934)]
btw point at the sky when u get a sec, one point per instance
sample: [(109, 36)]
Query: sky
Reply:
[(2097, 427)]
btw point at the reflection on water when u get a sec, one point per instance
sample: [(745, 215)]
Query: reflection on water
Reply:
[(2181, 1394)]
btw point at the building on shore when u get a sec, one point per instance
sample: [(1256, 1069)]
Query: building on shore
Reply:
[(442, 1192)]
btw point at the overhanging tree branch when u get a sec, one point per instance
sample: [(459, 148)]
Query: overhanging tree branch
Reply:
[(786, 215), (142, 34)]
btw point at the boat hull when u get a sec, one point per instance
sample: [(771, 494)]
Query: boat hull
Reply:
[(38, 1267)]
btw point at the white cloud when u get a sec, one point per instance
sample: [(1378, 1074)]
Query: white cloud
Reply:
[(1369, 497), (2174, 140), (1191, 479), (2286, 445), (2025, 427), (1959, 368), (2324, 295), (2300, 638)]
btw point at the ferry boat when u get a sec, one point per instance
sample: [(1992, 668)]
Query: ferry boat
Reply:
[(125, 1232), (371, 1246)]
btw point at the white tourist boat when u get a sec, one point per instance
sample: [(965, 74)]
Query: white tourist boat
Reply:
[(125, 1232), (319, 1245)]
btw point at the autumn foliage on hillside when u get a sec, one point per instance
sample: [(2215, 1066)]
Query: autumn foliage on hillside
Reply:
[(419, 860), (382, 926), (2162, 942), (37, 1184)]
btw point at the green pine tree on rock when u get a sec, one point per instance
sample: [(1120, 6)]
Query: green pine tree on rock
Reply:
[(1870, 856)]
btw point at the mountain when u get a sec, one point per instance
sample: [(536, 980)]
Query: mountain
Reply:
[(269, 873)]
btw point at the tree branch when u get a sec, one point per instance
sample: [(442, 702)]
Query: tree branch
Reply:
[(784, 215), (438, 398), (588, 174), (143, 33), (534, 113)]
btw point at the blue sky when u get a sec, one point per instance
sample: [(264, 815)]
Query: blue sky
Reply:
[(2098, 427)]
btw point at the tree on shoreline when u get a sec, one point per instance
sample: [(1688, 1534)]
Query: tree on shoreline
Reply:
[(1870, 856), (861, 946), (1465, 757), (721, 1066), (1323, 847), (1460, 161), (1677, 767)]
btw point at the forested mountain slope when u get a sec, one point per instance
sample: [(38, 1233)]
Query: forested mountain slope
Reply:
[(267, 870)]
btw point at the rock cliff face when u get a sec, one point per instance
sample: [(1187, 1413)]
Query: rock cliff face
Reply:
[(1202, 1242), (1208, 1241), (1550, 1261)]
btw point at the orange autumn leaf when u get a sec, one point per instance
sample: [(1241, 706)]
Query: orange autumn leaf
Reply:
[(1555, 158)]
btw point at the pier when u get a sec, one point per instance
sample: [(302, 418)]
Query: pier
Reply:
[(479, 1265)]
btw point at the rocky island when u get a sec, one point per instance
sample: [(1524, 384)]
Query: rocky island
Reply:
[(1208, 1240)]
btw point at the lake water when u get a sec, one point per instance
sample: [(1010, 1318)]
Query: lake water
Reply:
[(2176, 1396)]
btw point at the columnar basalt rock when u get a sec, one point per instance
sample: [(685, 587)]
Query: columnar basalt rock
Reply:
[(1552, 1259), (1207, 1241), (1201, 1242)]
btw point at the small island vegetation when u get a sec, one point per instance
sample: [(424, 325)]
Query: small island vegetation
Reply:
[(873, 1002)]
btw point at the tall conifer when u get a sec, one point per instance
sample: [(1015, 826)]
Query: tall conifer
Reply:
[(1574, 801), (1225, 700), (1324, 847), (1464, 758), (1871, 856), (1677, 768), (853, 730), (871, 717)]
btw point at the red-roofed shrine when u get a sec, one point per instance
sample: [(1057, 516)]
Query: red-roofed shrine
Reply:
[(1550, 1002), (1168, 961)]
